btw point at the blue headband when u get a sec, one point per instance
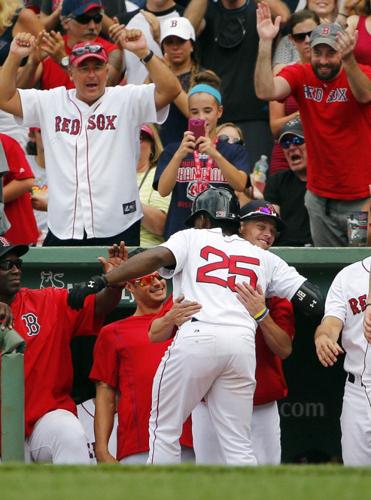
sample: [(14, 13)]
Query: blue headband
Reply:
[(204, 87)]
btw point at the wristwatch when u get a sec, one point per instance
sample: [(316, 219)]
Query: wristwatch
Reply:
[(147, 58), (64, 62)]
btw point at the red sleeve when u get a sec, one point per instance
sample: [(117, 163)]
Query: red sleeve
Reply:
[(282, 312), (80, 322), (19, 168), (292, 73), (105, 366)]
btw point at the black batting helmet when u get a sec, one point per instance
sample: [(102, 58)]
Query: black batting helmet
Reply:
[(219, 203)]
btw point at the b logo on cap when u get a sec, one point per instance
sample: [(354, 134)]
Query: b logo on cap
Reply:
[(174, 23), (4, 241), (325, 30)]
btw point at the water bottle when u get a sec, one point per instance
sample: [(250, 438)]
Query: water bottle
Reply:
[(260, 171)]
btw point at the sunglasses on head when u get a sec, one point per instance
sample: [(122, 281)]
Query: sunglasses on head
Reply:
[(295, 140), (87, 49), (8, 264), (146, 280), (85, 18), (300, 37), (231, 140)]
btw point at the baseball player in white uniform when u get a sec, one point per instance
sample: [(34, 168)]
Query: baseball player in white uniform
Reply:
[(214, 353), (90, 136), (344, 310)]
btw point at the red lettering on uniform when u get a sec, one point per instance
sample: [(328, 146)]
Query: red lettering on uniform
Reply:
[(101, 122), (110, 125), (231, 264), (91, 123), (58, 121), (362, 301), (75, 127), (354, 306), (66, 125)]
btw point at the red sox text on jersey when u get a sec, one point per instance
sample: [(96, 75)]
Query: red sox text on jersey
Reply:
[(73, 126)]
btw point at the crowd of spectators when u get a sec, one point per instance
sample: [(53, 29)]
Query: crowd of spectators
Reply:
[(194, 37), (114, 116)]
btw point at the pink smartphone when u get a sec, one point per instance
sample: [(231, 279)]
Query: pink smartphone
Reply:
[(197, 127)]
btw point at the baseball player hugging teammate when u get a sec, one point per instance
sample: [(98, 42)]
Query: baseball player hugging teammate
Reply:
[(213, 354)]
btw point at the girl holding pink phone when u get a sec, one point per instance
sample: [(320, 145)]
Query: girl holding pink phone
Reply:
[(200, 159)]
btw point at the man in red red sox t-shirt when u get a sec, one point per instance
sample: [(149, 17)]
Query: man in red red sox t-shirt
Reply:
[(333, 93)]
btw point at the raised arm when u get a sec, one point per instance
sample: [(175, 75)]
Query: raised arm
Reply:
[(326, 340), (359, 82), (136, 266), (195, 12), (167, 86), (267, 86), (20, 47)]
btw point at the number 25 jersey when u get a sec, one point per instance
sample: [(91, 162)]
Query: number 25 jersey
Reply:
[(208, 266)]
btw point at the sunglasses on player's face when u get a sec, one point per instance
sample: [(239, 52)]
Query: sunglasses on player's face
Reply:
[(295, 140), (8, 264), (146, 280), (300, 37), (85, 18), (87, 49)]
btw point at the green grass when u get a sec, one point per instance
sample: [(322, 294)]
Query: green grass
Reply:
[(41, 482)]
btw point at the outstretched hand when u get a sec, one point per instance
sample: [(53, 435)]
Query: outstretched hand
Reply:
[(6, 316), (267, 30), (117, 254)]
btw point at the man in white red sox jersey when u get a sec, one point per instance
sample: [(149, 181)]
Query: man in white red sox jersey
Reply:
[(214, 352), (91, 138), (346, 303)]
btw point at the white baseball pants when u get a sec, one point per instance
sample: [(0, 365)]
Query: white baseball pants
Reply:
[(265, 435), (355, 424), (59, 438), (211, 361)]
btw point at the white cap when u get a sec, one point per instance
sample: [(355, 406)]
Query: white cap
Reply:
[(177, 26)]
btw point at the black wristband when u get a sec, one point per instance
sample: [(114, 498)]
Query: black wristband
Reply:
[(368, 304), (147, 58)]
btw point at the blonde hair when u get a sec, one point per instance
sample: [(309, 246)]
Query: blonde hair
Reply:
[(8, 8), (232, 125), (156, 147)]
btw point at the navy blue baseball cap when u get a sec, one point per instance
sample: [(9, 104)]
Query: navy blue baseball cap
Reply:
[(78, 7), (6, 247), (259, 209)]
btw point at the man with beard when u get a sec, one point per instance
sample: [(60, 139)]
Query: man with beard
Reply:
[(286, 189), (334, 96)]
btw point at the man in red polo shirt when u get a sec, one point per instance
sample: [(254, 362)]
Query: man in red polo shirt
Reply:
[(48, 63), (125, 362)]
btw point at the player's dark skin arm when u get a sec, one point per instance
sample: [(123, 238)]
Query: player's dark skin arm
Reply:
[(105, 406), (106, 301), (141, 264)]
